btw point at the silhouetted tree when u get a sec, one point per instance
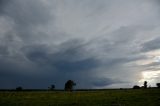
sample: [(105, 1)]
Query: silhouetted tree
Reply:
[(19, 88), (136, 87), (145, 84), (52, 87), (158, 85), (69, 85)]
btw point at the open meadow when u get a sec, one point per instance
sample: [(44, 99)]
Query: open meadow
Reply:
[(130, 97)]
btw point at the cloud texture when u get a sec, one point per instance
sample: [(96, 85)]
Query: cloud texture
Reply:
[(98, 44)]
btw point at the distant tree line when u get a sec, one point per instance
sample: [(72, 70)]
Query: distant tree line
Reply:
[(68, 86), (19, 88), (52, 87), (158, 85), (145, 85)]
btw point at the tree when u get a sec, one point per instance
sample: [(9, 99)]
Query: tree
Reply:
[(69, 85), (19, 88), (158, 85), (145, 84), (136, 87), (52, 87)]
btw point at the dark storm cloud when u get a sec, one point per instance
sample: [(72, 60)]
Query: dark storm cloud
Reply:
[(3, 50), (105, 82), (96, 43), (26, 17), (3, 3), (66, 63), (67, 58), (25, 12)]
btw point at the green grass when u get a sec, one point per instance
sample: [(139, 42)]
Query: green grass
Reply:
[(140, 97)]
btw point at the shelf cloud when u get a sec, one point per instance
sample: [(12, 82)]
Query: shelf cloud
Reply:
[(98, 44)]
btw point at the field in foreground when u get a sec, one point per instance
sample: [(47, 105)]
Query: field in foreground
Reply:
[(140, 97)]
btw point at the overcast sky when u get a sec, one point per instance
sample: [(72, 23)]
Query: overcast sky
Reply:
[(96, 43)]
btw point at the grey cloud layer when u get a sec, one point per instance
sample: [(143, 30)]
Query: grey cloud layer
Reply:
[(90, 41)]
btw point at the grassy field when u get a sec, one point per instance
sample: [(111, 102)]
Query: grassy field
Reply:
[(139, 97)]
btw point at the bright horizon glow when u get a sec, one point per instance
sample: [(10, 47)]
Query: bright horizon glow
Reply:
[(150, 77)]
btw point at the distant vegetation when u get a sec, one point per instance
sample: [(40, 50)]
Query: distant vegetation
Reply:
[(52, 87), (84, 97), (145, 84), (136, 87), (69, 85), (19, 88), (158, 85)]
